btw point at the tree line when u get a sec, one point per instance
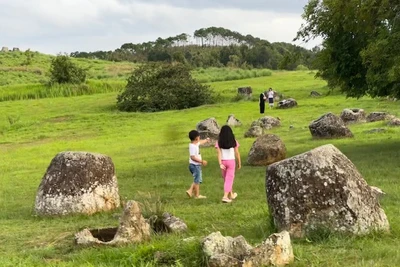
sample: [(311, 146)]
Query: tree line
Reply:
[(360, 50), (211, 47)]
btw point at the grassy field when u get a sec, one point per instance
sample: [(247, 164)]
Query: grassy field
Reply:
[(19, 81), (150, 155)]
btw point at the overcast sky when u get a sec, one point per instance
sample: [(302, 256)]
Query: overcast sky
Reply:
[(53, 26)]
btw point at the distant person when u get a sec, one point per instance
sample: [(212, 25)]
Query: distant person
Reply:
[(262, 102), (195, 163), (228, 152), (271, 95)]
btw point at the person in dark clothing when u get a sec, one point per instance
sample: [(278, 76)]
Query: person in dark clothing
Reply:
[(262, 102)]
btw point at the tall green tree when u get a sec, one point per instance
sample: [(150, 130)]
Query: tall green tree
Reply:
[(360, 54)]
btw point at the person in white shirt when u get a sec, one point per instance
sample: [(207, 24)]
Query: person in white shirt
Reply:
[(195, 163), (228, 152), (271, 95)]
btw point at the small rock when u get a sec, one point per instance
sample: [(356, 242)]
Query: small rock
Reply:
[(353, 115), (254, 131), (245, 91), (377, 116), (315, 94), (267, 122), (287, 103), (216, 243), (276, 250), (394, 122), (174, 224), (232, 121)]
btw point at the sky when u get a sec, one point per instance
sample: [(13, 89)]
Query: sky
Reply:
[(64, 26)]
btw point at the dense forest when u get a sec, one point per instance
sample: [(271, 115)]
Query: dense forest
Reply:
[(212, 47)]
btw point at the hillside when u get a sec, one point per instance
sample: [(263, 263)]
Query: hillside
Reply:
[(15, 70)]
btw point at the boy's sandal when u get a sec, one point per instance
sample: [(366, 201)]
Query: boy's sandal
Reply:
[(188, 194)]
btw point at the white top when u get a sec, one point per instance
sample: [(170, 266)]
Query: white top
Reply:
[(194, 150), (227, 154), (270, 94)]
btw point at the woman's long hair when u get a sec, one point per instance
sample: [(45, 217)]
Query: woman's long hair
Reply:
[(226, 138)]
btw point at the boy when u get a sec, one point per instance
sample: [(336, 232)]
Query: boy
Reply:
[(195, 163)]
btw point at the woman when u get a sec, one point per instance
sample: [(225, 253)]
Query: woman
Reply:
[(262, 102), (228, 152), (271, 95)]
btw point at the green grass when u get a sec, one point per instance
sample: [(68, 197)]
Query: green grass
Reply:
[(37, 91), (150, 155), (14, 72), (227, 74)]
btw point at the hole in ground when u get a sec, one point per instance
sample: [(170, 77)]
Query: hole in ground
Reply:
[(105, 234)]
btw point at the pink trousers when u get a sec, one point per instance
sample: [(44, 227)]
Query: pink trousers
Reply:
[(229, 174)]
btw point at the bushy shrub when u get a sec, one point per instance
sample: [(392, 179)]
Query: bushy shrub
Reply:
[(63, 70), (160, 86), (302, 67)]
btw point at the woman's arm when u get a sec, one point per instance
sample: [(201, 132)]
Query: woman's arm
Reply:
[(238, 158), (220, 158)]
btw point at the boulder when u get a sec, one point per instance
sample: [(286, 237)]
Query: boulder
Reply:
[(329, 126), (233, 121), (208, 129), (78, 182), (15, 49), (287, 103), (267, 122), (276, 250), (174, 224), (4, 49), (315, 94), (245, 91), (394, 122), (266, 150), (254, 131), (216, 243), (353, 115), (133, 228), (377, 116), (322, 189), (236, 252)]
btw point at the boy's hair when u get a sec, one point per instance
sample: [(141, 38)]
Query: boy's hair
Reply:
[(226, 138), (193, 135)]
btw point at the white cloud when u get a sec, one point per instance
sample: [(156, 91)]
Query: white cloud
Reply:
[(54, 26)]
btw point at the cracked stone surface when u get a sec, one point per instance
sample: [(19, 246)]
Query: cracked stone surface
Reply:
[(78, 182), (133, 228), (329, 126), (266, 150), (322, 189)]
